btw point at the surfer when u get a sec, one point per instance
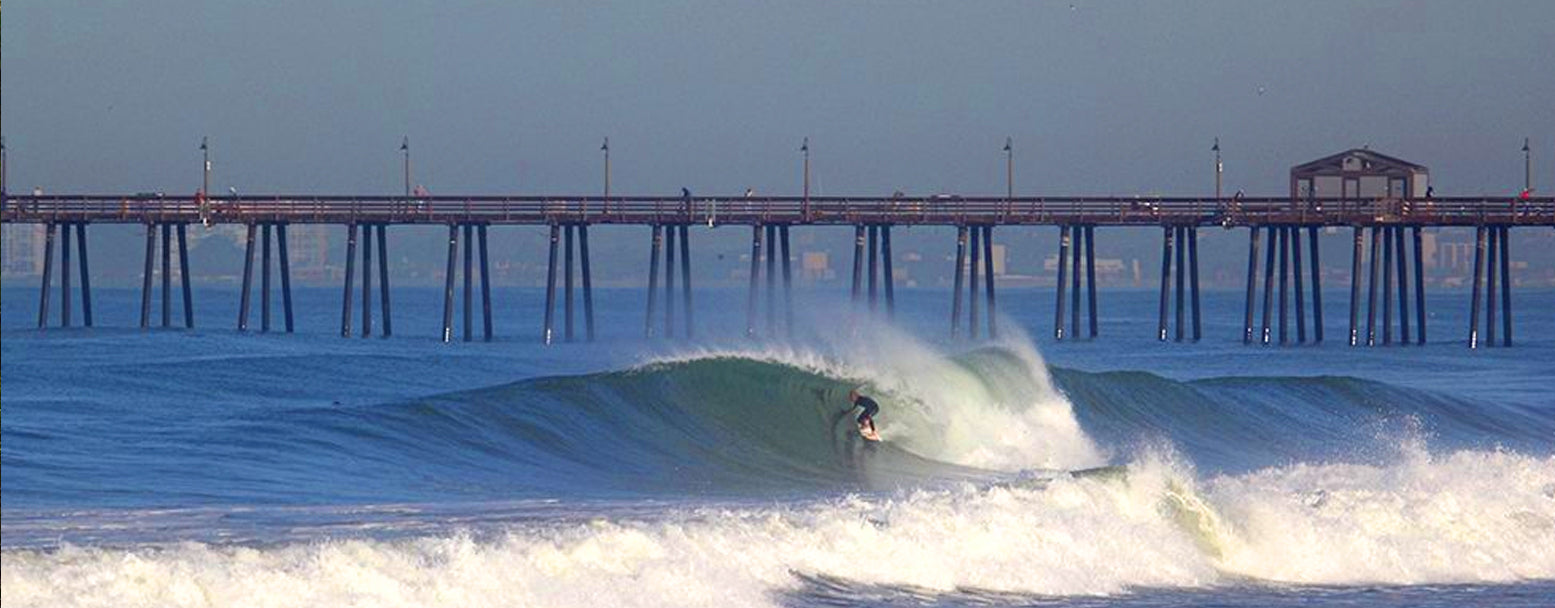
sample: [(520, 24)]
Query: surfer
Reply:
[(866, 419)]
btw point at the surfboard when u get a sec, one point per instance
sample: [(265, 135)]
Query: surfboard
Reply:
[(868, 433)]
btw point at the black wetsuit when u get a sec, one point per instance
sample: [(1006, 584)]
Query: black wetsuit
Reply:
[(870, 408)]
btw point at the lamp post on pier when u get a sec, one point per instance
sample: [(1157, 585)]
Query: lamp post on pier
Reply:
[(1219, 168), (2, 166), (205, 152), (804, 148), (1527, 167), (605, 148), (1009, 175), (405, 151)]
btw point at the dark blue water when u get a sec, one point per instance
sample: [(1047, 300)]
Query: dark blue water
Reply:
[(176, 467)]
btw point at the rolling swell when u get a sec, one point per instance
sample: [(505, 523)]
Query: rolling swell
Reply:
[(1246, 423)]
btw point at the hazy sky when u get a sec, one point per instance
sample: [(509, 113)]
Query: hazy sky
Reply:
[(1101, 97)]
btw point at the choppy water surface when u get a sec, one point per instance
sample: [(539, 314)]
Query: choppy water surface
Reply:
[(215, 468)]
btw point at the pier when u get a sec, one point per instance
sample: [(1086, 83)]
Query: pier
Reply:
[(1278, 228)]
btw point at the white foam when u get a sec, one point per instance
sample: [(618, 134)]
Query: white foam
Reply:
[(1462, 517)]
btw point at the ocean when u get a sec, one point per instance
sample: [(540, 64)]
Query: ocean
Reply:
[(217, 468)]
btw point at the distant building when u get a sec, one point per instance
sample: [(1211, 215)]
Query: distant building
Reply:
[(1358, 174), (23, 250)]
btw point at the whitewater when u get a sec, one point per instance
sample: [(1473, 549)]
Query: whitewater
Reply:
[(726, 474)]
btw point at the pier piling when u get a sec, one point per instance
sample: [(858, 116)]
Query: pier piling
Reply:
[(685, 276), (1506, 286), (264, 278), (1371, 287), (485, 284), (1074, 281), (1419, 288), (972, 291), (1355, 286), (858, 267), (1252, 285), (755, 278), (874, 266), (383, 277), (1193, 270), (959, 282), (469, 283), (286, 279), (1295, 279), (588, 283), (657, 242), (1181, 279), (988, 276), (567, 308), (1166, 277), (345, 305), (889, 274), (48, 271), (772, 279), (788, 282), (1268, 286), (450, 271), (248, 278), (367, 280), (1284, 234), (548, 333), (1403, 285), (1317, 287), (1387, 285), (1090, 282), (167, 275), (1493, 237), (64, 275), (669, 281), (1063, 281), (1479, 268), (86, 275)]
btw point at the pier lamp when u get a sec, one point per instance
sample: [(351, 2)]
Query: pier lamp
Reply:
[(2, 166), (205, 153), (1527, 167), (804, 148), (1009, 174), (1219, 168), (405, 151), (605, 148)]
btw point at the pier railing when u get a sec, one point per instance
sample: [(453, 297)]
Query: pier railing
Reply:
[(832, 210)]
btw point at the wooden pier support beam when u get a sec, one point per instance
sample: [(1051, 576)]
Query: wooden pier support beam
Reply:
[(450, 271), (264, 278), (1166, 279), (1419, 288), (1268, 286), (1479, 279), (788, 282), (972, 291), (167, 275), (988, 278), (485, 284), (345, 302), (1193, 280), (1295, 278), (248, 278), (1063, 281), (567, 307), (772, 237), (286, 278), (960, 272), (685, 274), (1355, 286), (64, 275), (1252, 285), (86, 275), (858, 266), (755, 278), (1317, 287), (1284, 238), (548, 334), (1181, 279), (1371, 288), (588, 282), (383, 278), (367, 279), (48, 272), (1387, 285), (874, 267), (1403, 285), (656, 242), (469, 283), (1078, 235), (183, 276), (669, 281), (1090, 281), (1491, 268), (887, 269), (48, 275), (1506, 285)]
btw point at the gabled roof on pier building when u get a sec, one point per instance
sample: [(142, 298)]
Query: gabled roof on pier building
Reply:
[(1359, 173), (1358, 161)]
